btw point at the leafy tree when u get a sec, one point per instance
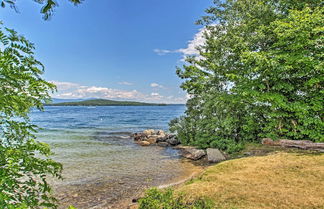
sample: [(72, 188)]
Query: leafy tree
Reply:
[(259, 74), (290, 76), (47, 9), (24, 162)]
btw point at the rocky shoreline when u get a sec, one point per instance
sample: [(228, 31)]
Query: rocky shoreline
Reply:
[(125, 191), (153, 137), (156, 166)]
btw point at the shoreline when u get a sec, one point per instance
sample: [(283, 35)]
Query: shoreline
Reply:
[(193, 171), (172, 170), (121, 193)]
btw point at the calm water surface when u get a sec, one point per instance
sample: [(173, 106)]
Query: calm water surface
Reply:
[(94, 146)]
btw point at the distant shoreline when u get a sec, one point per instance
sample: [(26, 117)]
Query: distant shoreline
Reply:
[(104, 102), (76, 105), (59, 105)]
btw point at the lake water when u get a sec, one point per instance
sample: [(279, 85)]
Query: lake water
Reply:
[(102, 164)]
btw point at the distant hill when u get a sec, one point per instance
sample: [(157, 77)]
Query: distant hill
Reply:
[(103, 102), (56, 100)]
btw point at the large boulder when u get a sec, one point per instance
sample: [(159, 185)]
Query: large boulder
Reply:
[(192, 153), (214, 155)]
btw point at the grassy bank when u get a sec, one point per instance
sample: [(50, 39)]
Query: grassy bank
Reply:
[(278, 180)]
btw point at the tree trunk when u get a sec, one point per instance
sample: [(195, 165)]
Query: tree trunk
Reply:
[(300, 144)]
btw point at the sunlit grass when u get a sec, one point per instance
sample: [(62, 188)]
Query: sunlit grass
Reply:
[(279, 180)]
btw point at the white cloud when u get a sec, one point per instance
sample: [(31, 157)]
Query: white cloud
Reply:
[(68, 90), (156, 85), (191, 49), (199, 40), (158, 97), (125, 83), (164, 51)]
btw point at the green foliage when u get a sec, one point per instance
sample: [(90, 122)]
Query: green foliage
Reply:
[(259, 74), (24, 162), (184, 128), (155, 199), (47, 8)]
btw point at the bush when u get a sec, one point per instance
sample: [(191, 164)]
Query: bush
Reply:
[(201, 135), (185, 129), (156, 199)]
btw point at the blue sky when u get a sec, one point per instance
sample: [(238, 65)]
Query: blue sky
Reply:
[(114, 49)]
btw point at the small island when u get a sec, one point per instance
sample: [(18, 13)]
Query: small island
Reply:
[(104, 102)]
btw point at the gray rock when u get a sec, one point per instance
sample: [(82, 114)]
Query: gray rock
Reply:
[(173, 141), (193, 153), (161, 139), (214, 155)]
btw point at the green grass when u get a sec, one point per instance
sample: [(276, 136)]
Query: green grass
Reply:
[(165, 199)]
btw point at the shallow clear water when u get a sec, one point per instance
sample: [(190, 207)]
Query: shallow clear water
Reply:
[(93, 144)]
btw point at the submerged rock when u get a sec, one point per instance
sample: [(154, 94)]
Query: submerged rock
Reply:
[(214, 155), (163, 144), (143, 143)]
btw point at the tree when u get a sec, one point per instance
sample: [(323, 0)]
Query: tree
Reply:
[(47, 9), (259, 73), (291, 76), (24, 162)]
